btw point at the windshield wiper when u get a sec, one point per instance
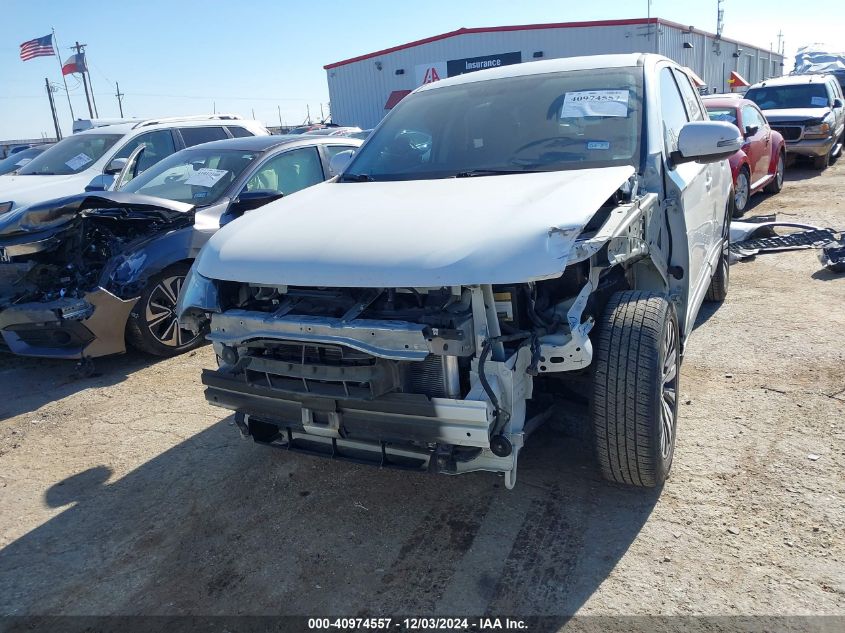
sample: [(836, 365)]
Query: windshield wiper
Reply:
[(356, 178), (494, 172)]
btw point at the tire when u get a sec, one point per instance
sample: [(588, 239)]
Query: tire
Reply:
[(634, 407), (742, 191), (152, 326), (777, 182), (719, 282), (822, 162)]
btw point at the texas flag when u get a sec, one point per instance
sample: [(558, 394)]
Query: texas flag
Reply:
[(74, 64)]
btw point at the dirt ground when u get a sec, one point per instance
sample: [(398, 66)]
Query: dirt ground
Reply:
[(124, 493)]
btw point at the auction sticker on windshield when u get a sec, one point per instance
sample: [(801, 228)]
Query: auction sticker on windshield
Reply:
[(206, 177), (78, 161), (613, 103), (818, 101)]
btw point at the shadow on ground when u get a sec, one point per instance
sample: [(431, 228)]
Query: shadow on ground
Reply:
[(801, 170), (26, 384), (218, 525)]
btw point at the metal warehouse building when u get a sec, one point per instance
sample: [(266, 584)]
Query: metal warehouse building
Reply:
[(362, 89)]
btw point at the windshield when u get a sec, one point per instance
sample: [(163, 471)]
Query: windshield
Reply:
[(549, 122), (18, 160), (70, 155), (784, 97), (722, 114), (195, 176)]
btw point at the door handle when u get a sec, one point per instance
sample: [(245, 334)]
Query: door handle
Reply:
[(708, 179)]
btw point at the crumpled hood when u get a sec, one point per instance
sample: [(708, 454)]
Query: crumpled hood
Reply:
[(788, 115), (26, 190), (423, 233), (55, 213)]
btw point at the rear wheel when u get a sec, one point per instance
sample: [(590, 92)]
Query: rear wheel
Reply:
[(742, 191), (777, 182), (153, 326), (634, 405)]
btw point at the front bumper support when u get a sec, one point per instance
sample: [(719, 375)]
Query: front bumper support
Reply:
[(443, 435)]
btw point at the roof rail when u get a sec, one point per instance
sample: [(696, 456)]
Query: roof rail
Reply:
[(199, 117)]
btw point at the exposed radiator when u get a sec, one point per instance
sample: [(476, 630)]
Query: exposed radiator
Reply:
[(435, 376)]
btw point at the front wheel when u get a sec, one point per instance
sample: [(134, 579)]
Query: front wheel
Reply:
[(636, 373), (153, 326), (719, 282), (822, 162)]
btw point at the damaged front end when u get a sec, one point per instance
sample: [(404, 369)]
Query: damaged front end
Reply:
[(389, 376), (63, 288), (438, 378)]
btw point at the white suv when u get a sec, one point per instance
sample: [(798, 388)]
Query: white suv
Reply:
[(89, 160), (499, 234)]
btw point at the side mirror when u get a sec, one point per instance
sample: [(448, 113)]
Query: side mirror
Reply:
[(706, 142), (837, 103), (248, 200), (116, 166), (339, 162), (101, 182), (751, 130)]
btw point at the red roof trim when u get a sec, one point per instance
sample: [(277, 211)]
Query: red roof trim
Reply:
[(529, 27), (490, 29)]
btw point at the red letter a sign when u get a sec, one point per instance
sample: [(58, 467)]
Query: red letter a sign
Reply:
[(431, 75)]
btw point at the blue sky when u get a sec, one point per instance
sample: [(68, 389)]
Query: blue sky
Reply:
[(188, 56)]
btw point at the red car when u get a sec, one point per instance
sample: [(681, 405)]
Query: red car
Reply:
[(759, 165)]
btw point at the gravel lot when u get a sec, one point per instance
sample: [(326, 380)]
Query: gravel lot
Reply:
[(124, 493)]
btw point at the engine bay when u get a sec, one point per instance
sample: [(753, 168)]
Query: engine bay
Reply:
[(70, 261)]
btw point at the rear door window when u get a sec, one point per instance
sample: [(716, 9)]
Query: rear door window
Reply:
[(157, 145), (288, 172), (196, 135), (239, 132)]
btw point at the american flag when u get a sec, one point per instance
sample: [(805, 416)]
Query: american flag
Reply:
[(39, 47)]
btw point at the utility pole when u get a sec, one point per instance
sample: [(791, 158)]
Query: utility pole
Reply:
[(80, 49), (119, 96), (308, 111), (279, 108), (53, 109)]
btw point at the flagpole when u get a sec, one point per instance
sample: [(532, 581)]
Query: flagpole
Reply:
[(79, 48), (67, 92), (91, 85)]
